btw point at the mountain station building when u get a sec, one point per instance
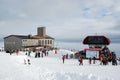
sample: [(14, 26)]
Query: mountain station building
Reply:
[(20, 42)]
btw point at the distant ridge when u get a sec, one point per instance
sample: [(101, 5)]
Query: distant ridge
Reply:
[(1, 39)]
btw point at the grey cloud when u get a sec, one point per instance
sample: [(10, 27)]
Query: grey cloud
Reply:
[(45, 9), (117, 27), (61, 17), (39, 9), (114, 38), (69, 40), (9, 9)]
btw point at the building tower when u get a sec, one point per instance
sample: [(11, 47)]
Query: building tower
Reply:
[(41, 31)]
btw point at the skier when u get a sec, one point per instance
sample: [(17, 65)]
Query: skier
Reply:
[(94, 60), (42, 54), (63, 58), (17, 52), (81, 61), (90, 60), (47, 53), (26, 53), (29, 61), (26, 60), (55, 51), (66, 56), (101, 60), (29, 52), (36, 54), (104, 60), (10, 52)]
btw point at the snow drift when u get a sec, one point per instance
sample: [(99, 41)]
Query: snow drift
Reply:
[(51, 68)]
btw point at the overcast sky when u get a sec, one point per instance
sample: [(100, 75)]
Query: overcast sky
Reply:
[(65, 20)]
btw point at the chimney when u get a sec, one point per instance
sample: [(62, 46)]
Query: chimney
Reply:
[(41, 31)]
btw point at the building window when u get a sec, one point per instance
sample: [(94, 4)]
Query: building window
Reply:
[(45, 42), (42, 42), (24, 40), (50, 41)]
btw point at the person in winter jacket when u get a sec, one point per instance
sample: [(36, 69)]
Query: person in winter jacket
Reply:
[(63, 58), (101, 60), (29, 52), (94, 60), (104, 60), (17, 52), (55, 51), (26, 60), (90, 60), (81, 61), (66, 56)]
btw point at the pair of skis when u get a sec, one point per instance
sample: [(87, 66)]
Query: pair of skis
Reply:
[(27, 61)]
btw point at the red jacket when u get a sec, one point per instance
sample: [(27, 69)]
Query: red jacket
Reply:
[(63, 57), (81, 59)]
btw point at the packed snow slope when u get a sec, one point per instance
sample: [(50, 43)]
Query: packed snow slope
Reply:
[(50, 67)]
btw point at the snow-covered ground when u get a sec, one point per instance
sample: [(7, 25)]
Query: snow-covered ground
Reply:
[(51, 68)]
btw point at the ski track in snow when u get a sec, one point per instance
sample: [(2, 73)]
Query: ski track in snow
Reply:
[(51, 68)]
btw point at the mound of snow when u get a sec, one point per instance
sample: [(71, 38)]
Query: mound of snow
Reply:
[(51, 68)]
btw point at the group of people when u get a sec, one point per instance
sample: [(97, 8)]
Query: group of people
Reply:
[(109, 58), (64, 57), (12, 51), (103, 61), (39, 54), (80, 59)]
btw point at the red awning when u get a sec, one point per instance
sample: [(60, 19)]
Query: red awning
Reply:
[(93, 49)]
